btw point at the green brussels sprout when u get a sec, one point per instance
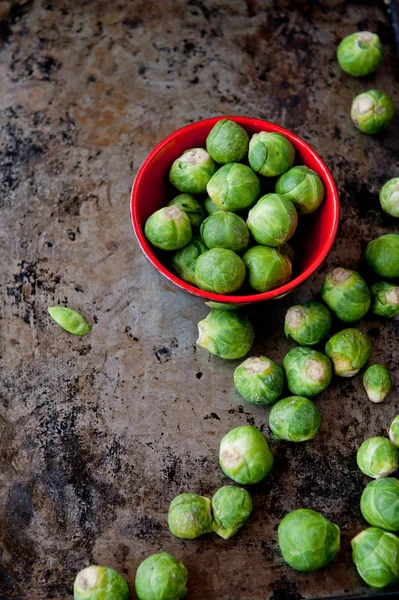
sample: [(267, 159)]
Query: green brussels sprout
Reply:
[(161, 577), (349, 351), (303, 187), (288, 251), (384, 299), (376, 556), (100, 583), (259, 380), (234, 187), (382, 255), (190, 516), (307, 540), (308, 372), (231, 509), (372, 111), (389, 197), (225, 230), (168, 228), (377, 382), (360, 53), (210, 206), (191, 172), (227, 142), (191, 207), (270, 154), (380, 503), (245, 455), (273, 220), (183, 262), (267, 269), (219, 270), (394, 431), (295, 419), (308, 323), (226, 334), (377, 457), (346, 294)]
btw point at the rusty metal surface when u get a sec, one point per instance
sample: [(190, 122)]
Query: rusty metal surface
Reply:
[(98, 434)]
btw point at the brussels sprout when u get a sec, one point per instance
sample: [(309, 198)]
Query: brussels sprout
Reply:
[(377, 457), (190, 516), (385, 299), (273, 220), (389, 197), (295, 419), (234, 187), (210, 206), (183, 262), (380, 503), (191, 207), (382, 255), (270, 154), (308, 372), (349, 351), (377, 382), (259, 380), (231, 509), (360, 53), (372, 111), (219, 270), (227, 142), (161, 577), (308, 323), (288, 251), (191, 172), (226, 334), (223, 305), (346, 294), (376, 556), (245, 455), (267, 269), (100, 583), (168, 228), (394, 431), (303, 187), (307, 540), (225, 230)]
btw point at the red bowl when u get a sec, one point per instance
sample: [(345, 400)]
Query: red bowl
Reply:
[(152, 190)]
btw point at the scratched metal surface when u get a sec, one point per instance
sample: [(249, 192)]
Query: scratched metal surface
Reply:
[(98, 434)]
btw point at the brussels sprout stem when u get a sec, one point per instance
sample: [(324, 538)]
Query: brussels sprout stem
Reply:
[(315, 370), (362, 105), (258, 366), (340, 275), (231, 456), (294, 316), (393, 296), (173, 212), (195, 157), (364, 37), (86, 579)]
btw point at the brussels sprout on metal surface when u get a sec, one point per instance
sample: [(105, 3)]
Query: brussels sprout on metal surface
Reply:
[(270, 154), (308, 323), (191, 172), (231, 509), (191, 207), (372, 111), (190, 516), (295, 419), (360, 53), (227, 142), (349, 351), (225, 229), (380, 503), (259, 380), (389, 197), (384, 299), (346, 293), (267, 269), (161, 577), (226, 334), (234, 187), (308, 372), (100, 583), (273, 220), (393, 431), (382, 255), (376, 556), (219, 270), (377, 457), (377, 382), (183, 262), (168, 228), (245, 455), (308, 541), (303, 187), (210, 206)]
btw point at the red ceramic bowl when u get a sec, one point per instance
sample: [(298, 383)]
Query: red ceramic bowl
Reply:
[(151, 190)]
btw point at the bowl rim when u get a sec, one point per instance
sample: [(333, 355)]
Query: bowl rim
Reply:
[(226, 298)]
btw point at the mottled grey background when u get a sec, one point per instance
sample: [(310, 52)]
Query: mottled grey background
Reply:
[(98, 434)]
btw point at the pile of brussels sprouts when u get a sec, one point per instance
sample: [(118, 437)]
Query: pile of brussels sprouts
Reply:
[(231, 247)]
